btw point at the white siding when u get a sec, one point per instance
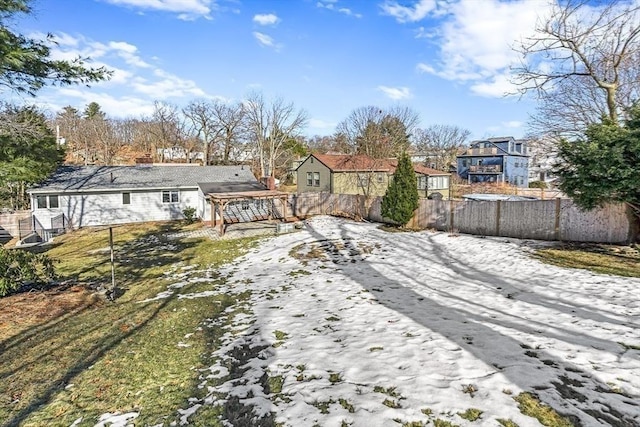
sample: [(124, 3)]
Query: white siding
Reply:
[(92, 209), (204, 207)]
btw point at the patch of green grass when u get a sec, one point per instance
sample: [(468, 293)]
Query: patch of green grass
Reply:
[(376, 348), (323, 406), (595, 258), (122, 355), (335, 377), (389, 391), (471, 414), (413, 424), (275, 384), (394, 404), (347, 405), (297, 273), (280, 336), (427, 411), (439, 422), (507, 423), (530, 405), (332, 319)]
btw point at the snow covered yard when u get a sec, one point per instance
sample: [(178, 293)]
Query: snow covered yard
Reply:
[(351, 325)]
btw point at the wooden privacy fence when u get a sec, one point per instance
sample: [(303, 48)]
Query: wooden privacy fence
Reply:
[(558, 219)]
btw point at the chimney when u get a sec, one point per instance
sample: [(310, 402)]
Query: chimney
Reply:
[(144, 160), (111, 178)]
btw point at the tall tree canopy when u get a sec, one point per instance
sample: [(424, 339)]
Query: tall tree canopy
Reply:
[(377, 132), (603, 167), (28, 153), (582, 62), (26, 64)]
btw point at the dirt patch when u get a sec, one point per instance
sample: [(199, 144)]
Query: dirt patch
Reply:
[(22, 311)]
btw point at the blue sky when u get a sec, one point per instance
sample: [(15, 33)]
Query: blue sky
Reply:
[(449, 61)]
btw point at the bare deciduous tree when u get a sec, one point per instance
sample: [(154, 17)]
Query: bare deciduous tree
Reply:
[(376, 132), (271, 125), (581, 62), (440, 144)]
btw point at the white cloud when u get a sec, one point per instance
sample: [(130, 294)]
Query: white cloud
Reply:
[(166, 85), (395, 93), (331, 5), (114, 106), (186, 9), (414, 13), (513, 124), (320, 124), (475, 40), (266, 40), (266, 19), (134, 83)]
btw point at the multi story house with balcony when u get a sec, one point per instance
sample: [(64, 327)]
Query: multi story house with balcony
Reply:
[(495, 160)]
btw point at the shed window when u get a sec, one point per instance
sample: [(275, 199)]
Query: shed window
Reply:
[(309, 179), (44, 202), (126, 198), (170, 196), (53, 202), (316, 179)]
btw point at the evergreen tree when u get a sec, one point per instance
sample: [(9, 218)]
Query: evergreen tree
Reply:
[(28, 153), (26, 64), (401, 199), (603, 168)]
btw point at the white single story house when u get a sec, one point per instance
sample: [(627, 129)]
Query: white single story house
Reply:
[(81, 196)]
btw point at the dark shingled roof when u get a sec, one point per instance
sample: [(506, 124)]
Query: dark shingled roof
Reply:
[(108, 178)]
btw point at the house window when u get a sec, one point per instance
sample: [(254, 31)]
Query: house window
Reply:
[(53, 202), (44, 202), (422, 182), (363, 180), (126, 198), (170, 196), (438, 182), (316, 179), (309, 179), (464, 163), (380, 178)]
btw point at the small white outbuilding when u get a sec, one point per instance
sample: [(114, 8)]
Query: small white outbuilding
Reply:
[(81, 196)]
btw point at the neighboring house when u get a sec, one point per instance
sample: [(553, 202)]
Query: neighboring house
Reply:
[(80, 196), (179, 153), (503, 160), (542, 158), (361, 174)]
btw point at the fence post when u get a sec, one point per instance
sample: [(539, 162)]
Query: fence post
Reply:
[(498, 206), (557, 222), (451, 216)]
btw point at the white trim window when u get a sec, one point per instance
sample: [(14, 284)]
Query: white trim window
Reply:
[(438, 182), (309, 179), (316, 179), (47, 202), (170, 196)]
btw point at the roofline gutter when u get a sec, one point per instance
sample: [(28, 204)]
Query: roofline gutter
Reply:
[(109, 190)]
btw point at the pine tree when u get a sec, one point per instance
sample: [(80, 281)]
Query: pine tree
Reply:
[(401, 199)]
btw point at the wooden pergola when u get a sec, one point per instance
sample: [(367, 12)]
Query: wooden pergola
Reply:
[(219, 201)]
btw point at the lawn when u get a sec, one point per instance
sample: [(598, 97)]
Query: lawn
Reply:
[(69, 355), (340, 324)]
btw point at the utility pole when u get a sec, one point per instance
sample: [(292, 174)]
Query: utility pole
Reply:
[(113, 269)]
